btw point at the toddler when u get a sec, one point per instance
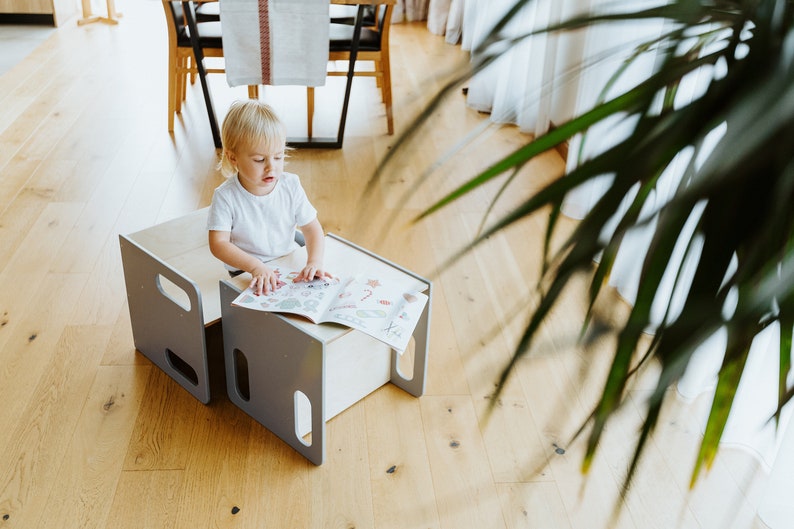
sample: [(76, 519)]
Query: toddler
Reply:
[(255, 212)]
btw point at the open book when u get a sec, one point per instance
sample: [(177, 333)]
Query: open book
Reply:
[(375, 306)]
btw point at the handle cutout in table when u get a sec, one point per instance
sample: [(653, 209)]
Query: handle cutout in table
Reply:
[(405, 362), (303, 413)]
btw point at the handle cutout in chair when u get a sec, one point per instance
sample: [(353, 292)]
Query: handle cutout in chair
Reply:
[(173, 292), (303, 413), (242, 381), (182, 367)]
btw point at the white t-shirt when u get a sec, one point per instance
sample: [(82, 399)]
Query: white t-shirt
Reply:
[(263, 226)]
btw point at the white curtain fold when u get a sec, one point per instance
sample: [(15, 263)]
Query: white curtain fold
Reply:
[(527, 85), (445, 17), (410, 11), (524, 85)]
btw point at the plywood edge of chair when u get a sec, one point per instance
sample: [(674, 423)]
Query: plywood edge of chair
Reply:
[(182, 244), (206, 271), (176, 236)]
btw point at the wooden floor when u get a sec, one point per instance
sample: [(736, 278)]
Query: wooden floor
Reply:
[(93, 436)]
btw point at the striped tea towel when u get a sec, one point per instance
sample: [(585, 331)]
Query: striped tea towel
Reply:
[(275, 42)]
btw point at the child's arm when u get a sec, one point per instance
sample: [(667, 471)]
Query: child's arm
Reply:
[(315, 250), (263, 280)]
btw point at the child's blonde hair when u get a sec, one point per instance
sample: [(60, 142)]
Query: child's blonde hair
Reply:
[(245, 125)]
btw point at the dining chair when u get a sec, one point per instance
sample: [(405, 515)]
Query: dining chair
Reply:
[(181, 62), (373, 46)]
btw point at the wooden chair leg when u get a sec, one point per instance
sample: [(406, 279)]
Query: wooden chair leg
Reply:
[(191, 63), (309, 110), (181, 81), (190, 72), (378, 78), (172, 90), (386, 93), (253, 91)]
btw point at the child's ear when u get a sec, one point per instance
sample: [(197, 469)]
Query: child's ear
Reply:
[(230, 156)]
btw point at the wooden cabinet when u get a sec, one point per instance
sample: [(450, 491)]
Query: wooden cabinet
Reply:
[(56, 12)]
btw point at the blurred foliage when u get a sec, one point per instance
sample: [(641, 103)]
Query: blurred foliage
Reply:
[(738, 196)]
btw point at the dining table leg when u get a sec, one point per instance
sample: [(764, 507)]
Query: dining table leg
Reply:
[(198, 54)]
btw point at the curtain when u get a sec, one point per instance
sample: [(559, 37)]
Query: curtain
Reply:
[(445, 17), (518, 87), (529, 87), (410, 10)]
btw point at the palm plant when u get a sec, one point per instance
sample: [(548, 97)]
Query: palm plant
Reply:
[(749, 258)]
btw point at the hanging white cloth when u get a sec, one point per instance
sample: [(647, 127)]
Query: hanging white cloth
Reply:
[(275, 42)]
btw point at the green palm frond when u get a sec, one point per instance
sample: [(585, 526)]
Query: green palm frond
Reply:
[(744, 259)]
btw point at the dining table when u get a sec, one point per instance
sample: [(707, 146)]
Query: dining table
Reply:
[(296, 142)]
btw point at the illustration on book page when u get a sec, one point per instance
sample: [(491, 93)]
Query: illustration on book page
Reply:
[(377, 307)]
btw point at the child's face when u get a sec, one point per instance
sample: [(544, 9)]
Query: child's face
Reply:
[(259, 167)]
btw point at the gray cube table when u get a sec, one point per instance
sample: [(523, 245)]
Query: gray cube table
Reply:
[(292, 375)]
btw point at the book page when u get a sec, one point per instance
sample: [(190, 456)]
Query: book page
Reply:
[(304, 298), (379, 308)]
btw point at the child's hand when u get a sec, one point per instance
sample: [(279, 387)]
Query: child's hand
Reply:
[(265, 280), (312, 271)]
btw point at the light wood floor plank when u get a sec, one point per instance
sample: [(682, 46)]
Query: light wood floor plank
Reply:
[(121, 346), (15, 175), (35, 255), (533, 505), (465, 492), (30, 344), (92, 462), (343, 503), (35, 448), (164, 426), (279, 483), (145, 500), (103, 297), (216, 458), (402, 486), (28, 222)]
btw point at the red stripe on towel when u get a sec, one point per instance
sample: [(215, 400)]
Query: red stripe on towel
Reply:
[(264, 41)]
